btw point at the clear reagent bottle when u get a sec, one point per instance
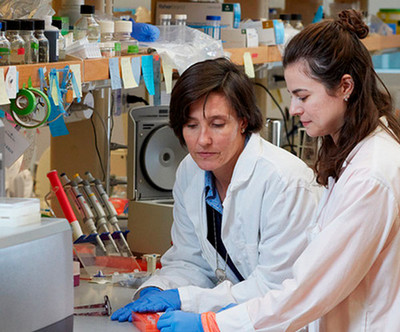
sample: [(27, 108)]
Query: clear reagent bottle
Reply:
[(296, 22), (87, 26), (286, 20), (43, 41), (60, 39), (165, 27), (123, 30), (5, 45), (31, 43), (180, 20), (214, 26), (17, 49)]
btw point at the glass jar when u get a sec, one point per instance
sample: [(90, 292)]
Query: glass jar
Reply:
[(5, 45), (87, 26)]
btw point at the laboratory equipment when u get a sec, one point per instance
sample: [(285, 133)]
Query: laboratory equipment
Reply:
[(146, 322), (87, 26), (42, 40), (16, 212), (213, 27), (123, 40), (286, 20), (17, 51), (36, 277), (154, 154), (5, 45), (297, 23), (97, 309), (51, 33), (97, 209), (64, 203), (180, 21), (31, 43), (61, 44), (108, 207), (83, 207)]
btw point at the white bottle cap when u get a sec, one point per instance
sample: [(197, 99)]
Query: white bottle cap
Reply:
[(106, 26), (165, 16), (123, 26), (180, 17)]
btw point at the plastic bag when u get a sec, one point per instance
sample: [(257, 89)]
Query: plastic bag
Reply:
[(181, 46), (18, 9)]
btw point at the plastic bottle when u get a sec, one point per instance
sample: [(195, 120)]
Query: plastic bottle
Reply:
[(165, 27), (51, 33), (213, 26), (43, 41), (286, 20), (5, 45), (27, 29), (17, 50), (71, 9), (60, 40), (87, 26), (180, 20), (122, 35), (297, 23)]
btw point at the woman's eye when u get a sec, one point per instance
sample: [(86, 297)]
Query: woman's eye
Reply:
[(191, 125), (218, 125), (302, 98)]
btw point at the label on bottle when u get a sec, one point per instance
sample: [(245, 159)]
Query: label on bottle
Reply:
[(117, 47), (21, 51), (4, 51), (133, 49), (34, 46)]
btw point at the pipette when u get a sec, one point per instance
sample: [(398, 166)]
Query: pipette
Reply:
[(83, 207), (108, 207), (64, 203), (101, 221)]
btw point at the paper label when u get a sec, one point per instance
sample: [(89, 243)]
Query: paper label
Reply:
[(127, 74), (15, 144), (11, 82), (113, 65), (248, 65), (3, 93)]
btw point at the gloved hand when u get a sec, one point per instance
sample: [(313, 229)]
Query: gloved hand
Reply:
[(230, 305), (155, 302), (125, 313), (180, 321), (144, 32)]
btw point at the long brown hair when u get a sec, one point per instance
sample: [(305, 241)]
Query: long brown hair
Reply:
[(331, 49)]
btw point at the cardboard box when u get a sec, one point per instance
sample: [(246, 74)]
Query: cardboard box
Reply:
[(238, 38), (197, 11), (270, 32)]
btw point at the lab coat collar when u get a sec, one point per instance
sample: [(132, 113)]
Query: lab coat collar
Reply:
[(246, 162)]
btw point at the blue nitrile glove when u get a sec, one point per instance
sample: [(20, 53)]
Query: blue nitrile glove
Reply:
[(230, 305), (125, 313), (180, 321), (155, 302), (144, 32)]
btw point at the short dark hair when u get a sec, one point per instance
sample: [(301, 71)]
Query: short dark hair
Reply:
[(330, 49), (217, 75)]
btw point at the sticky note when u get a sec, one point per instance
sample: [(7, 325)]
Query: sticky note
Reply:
[(54, 91), (127, 74), (167, 71), (136, 68), (148, 73), (76, 69), (15, 144), (248, 65), (3, 93), (11, 82), (113, 65)]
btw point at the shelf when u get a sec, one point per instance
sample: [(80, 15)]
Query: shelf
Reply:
[(97, 69)]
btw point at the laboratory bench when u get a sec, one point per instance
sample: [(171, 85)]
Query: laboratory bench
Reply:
[(93, 293)]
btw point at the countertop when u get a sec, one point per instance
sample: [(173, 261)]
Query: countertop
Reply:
[(91, 293)]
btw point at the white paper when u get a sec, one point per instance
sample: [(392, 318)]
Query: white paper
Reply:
[(15, 144), (11, 82)]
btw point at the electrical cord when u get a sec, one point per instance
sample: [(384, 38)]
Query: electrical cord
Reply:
[(290, 144), (132, 99), (97, 148)]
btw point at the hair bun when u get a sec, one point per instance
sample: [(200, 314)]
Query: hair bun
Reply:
[(352, 21)]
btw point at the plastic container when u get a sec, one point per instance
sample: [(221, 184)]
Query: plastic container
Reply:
[(87, 26), (5, 45), (213, 26), (64, 24), (84, 50), (165, 27), (16, 212), (107, 49), (72, 10), (60, 39), (123, 39), (17, 50)]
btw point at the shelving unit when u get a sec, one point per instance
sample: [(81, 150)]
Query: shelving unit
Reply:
[(97, 69)]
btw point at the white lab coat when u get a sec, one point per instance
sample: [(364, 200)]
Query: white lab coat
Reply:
[(350, 273), (270, 201)]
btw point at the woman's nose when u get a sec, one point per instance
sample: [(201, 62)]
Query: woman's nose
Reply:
[(295, 109), (204, 136)]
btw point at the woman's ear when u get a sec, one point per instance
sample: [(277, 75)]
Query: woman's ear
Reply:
[(346, 87)]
